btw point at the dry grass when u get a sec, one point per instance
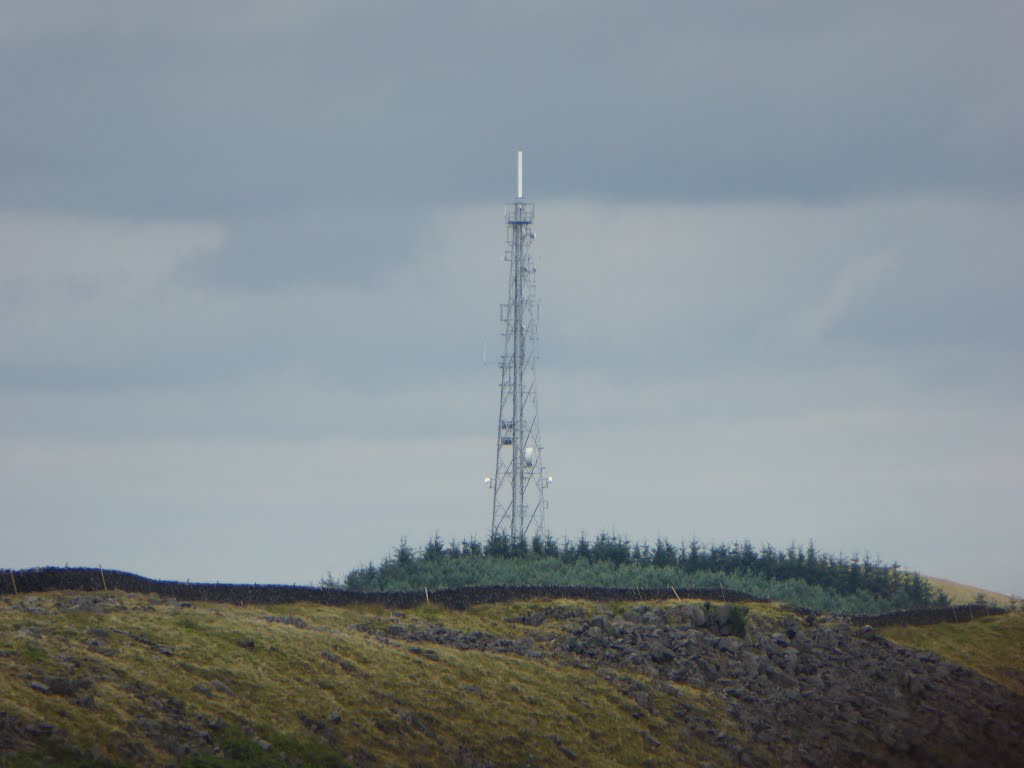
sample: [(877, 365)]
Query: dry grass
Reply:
[(963, 594), (324, 689)]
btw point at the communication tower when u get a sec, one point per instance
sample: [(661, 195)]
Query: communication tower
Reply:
[(519, 476)]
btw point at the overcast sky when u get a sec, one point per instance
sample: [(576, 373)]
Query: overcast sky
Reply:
[(251, 255)]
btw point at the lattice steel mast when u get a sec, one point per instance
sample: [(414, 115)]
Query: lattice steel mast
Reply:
[(519, 475)]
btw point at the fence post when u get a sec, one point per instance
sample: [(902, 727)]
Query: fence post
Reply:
[(427, 594), (103, 578), (675, 593), (14, 583)]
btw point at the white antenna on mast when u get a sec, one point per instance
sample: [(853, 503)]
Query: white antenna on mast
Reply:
[(520, 156)]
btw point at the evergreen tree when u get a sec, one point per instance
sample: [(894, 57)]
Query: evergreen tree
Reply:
[(583, 548), (664, 553), (434, 550), (498, 545), (808, 577), (403, 553)]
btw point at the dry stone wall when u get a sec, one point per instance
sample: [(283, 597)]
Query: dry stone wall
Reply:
[(95, 579)]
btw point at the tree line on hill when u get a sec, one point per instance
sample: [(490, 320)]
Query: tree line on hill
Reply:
[(797, 575)]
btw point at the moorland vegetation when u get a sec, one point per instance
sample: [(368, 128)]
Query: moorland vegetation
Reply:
[(110, 679)]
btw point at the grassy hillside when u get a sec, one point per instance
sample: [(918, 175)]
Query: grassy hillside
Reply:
[(108, 679), (993, 646), (132, 680), (962, 594)]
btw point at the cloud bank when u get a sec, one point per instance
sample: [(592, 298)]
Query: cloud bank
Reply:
[(251, 257)]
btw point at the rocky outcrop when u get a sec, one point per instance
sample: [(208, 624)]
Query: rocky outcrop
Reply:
[(461, 641), (818, 694), (800, 690)]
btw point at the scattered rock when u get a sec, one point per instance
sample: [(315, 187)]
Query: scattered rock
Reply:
[(40, 729), (729, 645), (723, 617), (780, 677), (34, 604), (103, 650), (463, 641), (92, 604), (790, 661), (564, 749), (658, 653), (882, 704), (66, 686)]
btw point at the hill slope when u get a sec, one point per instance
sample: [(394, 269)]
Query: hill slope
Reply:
[(964, 593), (125, 679)]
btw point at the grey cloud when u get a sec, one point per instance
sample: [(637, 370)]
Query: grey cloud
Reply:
[(733, 287), (336, 243), (250, 256), (423, 103)]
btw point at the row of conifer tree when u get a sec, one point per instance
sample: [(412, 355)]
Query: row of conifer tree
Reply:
[(613, 560)]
